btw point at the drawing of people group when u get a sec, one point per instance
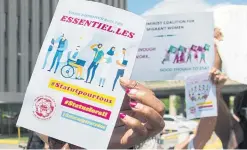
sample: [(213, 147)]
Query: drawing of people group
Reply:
[(199, 92), (185, 55), (75, 66)]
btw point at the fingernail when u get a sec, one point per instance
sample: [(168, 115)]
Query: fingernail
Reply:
[(122, 115), (124, 80), (132, 91), (127, 91), (133, 104)]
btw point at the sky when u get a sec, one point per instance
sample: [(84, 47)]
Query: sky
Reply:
[(140, 6)]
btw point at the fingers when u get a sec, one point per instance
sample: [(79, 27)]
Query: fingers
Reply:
[(130, 84), (131, 138), (127, 112), (217, 76), (147, 99), (141, 93), (134, 124), (153, 118)]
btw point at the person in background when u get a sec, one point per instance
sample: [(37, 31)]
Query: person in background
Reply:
[(240, 115), (225, 125), (98, 57), (62, 46), (121, 63), (48, 53), (106, 66), (35, 142)]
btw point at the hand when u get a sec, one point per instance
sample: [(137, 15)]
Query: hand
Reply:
[(141, 116), (218, 78)]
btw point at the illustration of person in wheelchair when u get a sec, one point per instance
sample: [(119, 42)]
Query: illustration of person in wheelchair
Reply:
[(74, 65)]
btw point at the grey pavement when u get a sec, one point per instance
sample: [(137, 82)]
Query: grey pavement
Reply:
[(8, 146)]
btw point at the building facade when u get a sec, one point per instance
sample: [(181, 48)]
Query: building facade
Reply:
[(23, 26)]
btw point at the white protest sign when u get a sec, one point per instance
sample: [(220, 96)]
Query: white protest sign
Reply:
[(200, 97), (232, 23), (78, 100), (175, 45)]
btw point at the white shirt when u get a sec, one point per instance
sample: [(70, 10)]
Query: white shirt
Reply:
[(121, 58)]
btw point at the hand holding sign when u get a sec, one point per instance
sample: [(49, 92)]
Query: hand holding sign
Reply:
[(142, 116)]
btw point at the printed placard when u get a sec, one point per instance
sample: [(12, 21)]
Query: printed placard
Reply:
[(174, 46), (74, 94), (231, 37), (200, 96)]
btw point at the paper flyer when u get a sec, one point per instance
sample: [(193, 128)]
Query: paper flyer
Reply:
[(231, 37), (175, 45), (74, 94), (200, 96)]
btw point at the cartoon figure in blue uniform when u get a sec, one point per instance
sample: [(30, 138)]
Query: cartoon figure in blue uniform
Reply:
[(62, 46), (48, 53)]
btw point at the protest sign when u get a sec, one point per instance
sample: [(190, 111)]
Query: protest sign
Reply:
[(200, 96), (175, 45), (231, 25), (74, 94)]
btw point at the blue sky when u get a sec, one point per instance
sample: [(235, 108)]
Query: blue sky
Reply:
[(140, 6)]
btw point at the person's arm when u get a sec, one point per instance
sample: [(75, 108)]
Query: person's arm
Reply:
[(217, 59), (206, 127), (120, 63), (204, 132)]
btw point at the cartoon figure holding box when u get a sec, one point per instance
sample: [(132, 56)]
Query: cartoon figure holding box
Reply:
[(98, 57), (121, 63)]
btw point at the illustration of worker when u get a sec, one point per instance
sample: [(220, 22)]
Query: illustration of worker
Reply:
[(176, 59), (121, 63), (167, 57), (48, 52), (189, 56), (196, 55), (182, 55), (172, 49), (107, 61), (62, 46), (77, 63), (98, 57)]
